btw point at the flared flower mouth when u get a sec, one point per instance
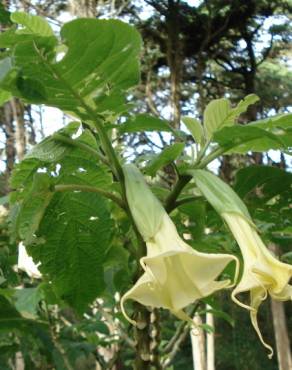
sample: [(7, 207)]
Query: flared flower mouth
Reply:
[(175, 274)]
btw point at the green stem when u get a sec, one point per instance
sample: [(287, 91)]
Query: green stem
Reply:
[(202, 152), (180, 184), (55, 339), (91, 189), (210, 157), (171, 201), (185, 200)]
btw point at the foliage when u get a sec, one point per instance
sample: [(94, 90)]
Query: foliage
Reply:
[(68, 202)]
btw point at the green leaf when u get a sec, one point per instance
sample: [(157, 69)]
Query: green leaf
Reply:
[(27, 301), (245, 138), (33, 207), (4, 15), (195, 127), (22, 175), (279, 125), (101, 62), (219, 313), (219, 114), (215, 115), (278, 121), (76, 165), (31, 89), (5, 67), (272, 180), (4, 97), (80, 167), (196, 211), (4, 200), (32, 24), (10, 318), (242, 106), (287, 257), (144, 122), (168, 155), (50, 150), (76, 232), (207, 328)]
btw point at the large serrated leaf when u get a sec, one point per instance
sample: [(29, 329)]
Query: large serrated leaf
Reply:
[(27, 301), (50, 150), (77, 232), (272, 180), (75, 164), (80, 167), (33, 207), (101, 61), (10, 319), (23, 172)]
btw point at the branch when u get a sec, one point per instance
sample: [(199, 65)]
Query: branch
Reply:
[(185, 200), (176, 347), (179, 337), (266, 52), (173, 195)]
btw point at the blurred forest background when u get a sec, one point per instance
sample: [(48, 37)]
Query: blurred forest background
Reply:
[(194, 51)]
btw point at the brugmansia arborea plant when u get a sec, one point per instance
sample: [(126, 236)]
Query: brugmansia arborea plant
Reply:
[(262, 272), (65, 188), (175, 274)]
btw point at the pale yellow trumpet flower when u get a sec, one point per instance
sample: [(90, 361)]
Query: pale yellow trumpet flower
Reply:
[(263, 274), (175, 274)]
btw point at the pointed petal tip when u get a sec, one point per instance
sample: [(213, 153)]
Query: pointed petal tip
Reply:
[(235, 300), (127, 317)]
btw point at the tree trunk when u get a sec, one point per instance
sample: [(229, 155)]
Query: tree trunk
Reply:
[(280, 329), (83, 8), (7, 121), (142, 336), (20, 134), (198, 345), (210, 341), (281, 336), (174, 59)]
